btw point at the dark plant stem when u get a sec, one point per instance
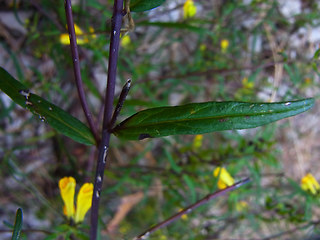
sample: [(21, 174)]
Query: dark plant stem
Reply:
[(76, 69), (190, 208), (108, 109)]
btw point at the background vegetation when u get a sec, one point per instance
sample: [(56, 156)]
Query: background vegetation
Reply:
[(227, 51)]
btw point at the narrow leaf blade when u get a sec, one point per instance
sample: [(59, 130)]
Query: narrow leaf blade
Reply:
[(199, 118), (144, 5), (56, 117), (17, 225)]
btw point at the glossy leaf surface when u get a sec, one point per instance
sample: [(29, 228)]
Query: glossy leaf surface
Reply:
[(56, 117), (144, 5), (199, 118)]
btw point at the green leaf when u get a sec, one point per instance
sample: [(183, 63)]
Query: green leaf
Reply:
[(173, 164), (177, 25), (144, 5), (56, 117), (17, 225), (316, 54), (199, 118), (191, 186)]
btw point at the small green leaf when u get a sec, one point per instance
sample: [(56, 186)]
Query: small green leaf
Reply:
[(191, 186), (198, 118), (173, 164), (57, 118), (17, 225), (144, 5), (316, 54)]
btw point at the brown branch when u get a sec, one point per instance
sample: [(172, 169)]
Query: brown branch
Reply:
[(188, 209)]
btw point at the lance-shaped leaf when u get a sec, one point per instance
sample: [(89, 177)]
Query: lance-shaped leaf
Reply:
[(17, 225), (56, 117), (198, 118), (144, 5)]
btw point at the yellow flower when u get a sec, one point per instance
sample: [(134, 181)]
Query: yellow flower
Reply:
[(247, 84), (125, 41), (203, 47), (225, 179), (197, 141), (307, 81), (67, 187), (309, 183), (241, 206), (184, 217), (224, 44), (189, 9), (65, 40), (84, 201)]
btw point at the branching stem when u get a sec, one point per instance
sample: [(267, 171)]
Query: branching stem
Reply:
[(76, 69), (116, 22), (188, 209)]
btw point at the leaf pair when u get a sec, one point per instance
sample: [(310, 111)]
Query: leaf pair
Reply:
[(194, 118)]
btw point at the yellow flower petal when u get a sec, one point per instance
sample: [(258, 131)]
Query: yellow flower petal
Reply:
[(309, 183), (241, 206), (224, 44), (77, 29), (197, 141), (184, 217), (203, 47), (247, 84), (84, 201), (125, 41), (225, 179), (67, 187), (64, 38), (189, 9)]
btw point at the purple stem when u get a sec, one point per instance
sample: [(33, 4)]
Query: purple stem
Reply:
[(76, 69), (116, 22), (190, 208)]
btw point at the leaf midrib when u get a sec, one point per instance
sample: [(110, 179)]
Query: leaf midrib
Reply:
[(213, 117)]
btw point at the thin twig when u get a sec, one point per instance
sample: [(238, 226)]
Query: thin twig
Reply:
[(76, 69), (190, 208), (108, 108), (122, 98), (47, 15), (221, 71), (27, 231)]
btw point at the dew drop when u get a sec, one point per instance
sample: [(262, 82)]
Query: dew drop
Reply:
[(287, 103), (25, 93), (114, 32), (28, 103), (99, 178), (50, 108), (97, 194)]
